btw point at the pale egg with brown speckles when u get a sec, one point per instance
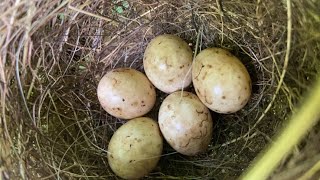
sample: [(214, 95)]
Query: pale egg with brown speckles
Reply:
[(221, 81), (126, 93), (185, 123), (135, 148), (167, 63)]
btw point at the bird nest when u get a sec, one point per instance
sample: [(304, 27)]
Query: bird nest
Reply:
[(53, 54)]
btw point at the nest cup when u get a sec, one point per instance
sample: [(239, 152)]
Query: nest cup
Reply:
[(53, 55)]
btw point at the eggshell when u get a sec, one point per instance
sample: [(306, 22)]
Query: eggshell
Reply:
[(167, 63), (135, 148), (221, 81), (185, 123), (126, 93)]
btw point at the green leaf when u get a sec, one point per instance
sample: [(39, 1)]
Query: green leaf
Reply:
[(125, 4), (61, 16), (119, 9)]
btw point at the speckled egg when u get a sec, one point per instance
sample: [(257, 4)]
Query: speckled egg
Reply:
[(221, 81), (135, 148), (185, 123), (167, 63), (126, 93)]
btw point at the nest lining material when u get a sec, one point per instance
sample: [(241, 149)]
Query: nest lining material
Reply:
[(57, 52)]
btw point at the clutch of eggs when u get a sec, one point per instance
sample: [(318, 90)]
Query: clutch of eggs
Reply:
[(221, 82)]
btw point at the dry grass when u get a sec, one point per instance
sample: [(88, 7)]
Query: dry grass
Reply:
[(53, 54)]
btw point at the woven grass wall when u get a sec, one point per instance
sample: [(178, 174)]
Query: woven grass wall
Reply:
[(53, 54)]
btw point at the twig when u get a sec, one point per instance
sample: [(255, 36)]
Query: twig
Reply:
[(245, 137), (218, 2), (238, 139), (194, 56)]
